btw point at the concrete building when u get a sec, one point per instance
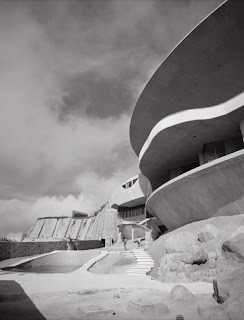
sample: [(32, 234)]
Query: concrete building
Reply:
[(187, 127), (79, 226), (129, 200)]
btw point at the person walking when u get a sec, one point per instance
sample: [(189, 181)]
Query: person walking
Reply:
[(139, 241), (125, 242)]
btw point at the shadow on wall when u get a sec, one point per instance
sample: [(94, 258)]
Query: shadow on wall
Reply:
[(18, 305), (126, 232)]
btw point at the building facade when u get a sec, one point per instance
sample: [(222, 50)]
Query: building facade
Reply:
[(190, 147)]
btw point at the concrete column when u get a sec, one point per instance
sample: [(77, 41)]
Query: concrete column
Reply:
[(242, 128), (132, 234)]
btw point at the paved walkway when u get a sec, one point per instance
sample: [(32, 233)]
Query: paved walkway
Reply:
[(81, 280)]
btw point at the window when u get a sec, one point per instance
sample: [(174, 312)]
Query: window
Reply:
[(129, 184), (212, 151), (175, 172)]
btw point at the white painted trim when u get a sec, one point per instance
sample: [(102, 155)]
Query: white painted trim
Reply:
[(207, 113)]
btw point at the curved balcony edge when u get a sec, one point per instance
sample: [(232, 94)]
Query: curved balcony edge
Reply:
[(213, 189)]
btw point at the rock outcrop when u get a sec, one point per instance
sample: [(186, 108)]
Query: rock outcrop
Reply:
[(231, 289), (235, 243), (210, 232), (180, 292)]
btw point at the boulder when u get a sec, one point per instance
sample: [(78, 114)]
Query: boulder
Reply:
[(214, 246), (200, 256), (235, 308), (183, 242), (170, 262), (231, 290), (238, 231), (212, 256), (212, 264), (180, 292), (235, 243), (210, 232)]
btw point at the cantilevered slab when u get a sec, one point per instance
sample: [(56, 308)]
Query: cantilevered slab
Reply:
[(204, 70)]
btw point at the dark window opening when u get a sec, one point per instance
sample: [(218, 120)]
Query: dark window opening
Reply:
[(129, 184), (174, 172), (102, 243)]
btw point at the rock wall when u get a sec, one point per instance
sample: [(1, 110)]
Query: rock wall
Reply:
[(101, 226)]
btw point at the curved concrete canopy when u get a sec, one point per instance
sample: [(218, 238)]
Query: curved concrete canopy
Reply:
[(128, 197), (205, 69), (177, 139), (213, 189)]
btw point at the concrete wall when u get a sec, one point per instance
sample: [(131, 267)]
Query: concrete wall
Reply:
[(215, 188), (48, 228), (178, 139), (61, 228), (128, 197), (102, 226)]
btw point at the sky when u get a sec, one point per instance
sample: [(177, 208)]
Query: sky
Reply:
[(70, 74)]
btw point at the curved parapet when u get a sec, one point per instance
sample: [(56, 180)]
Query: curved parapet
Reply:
[(205, 69), (179, 138), (215, 188), (131, 193)]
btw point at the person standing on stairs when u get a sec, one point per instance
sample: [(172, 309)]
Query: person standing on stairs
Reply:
[(125, 241), (139, 241)]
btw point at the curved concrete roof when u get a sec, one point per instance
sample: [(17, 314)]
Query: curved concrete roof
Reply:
[(205, 69), (176, 140), (130, 197)]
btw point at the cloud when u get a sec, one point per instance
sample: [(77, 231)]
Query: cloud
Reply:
[(71, 73)]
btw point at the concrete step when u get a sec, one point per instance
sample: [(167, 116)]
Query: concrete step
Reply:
[(141, 255), (137, 271), (141, 268), (137, 274)]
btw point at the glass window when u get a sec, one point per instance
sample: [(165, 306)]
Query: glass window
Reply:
[(212, 151)]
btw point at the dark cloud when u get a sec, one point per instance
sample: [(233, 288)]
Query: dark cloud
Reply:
[(71, 72), (95, 96)]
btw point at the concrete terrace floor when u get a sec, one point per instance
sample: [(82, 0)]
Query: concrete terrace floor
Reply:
[(82, 279), (70, 287)]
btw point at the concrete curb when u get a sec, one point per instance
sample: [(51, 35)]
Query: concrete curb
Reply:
[(90, 263), (14, 265)]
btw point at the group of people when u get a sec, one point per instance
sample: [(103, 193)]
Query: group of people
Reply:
[(138, 242)]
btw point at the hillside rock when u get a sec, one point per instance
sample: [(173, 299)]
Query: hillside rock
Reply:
[(183, 242), (210, 232), (231, 288), (180, 292), (235, 243)]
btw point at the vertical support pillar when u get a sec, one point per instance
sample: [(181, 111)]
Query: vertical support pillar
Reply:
[(242, 128), (132, 234)]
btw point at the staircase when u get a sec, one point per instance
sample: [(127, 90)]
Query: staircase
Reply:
[(144, 263)]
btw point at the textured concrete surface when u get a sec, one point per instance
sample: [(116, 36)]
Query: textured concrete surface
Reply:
[(41, 283), (179, 138), (213, 189), (130, 197), (205, 69), (101, 226), (66, 258)]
